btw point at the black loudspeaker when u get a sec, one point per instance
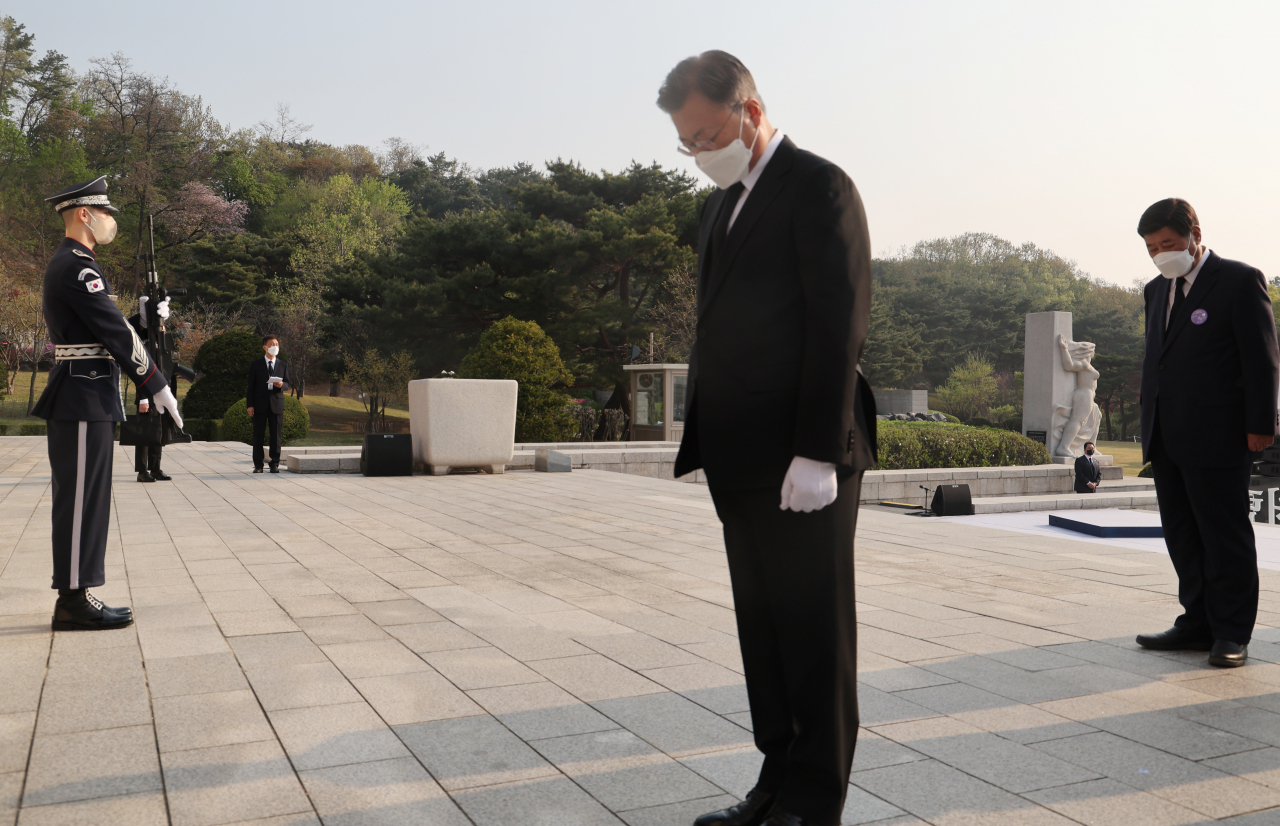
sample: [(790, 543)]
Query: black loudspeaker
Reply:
[(387, 454), (952, 500)]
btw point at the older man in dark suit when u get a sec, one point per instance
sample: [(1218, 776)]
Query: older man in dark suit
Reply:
[(783, 436), (1209, 381), (1088, 471)]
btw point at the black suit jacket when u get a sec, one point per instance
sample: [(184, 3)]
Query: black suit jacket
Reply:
[(256, 394), (1210, 383), (783, 312), (1087, 471)]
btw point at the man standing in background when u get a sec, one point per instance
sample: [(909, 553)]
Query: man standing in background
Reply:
[(1088, 471), (784, 261), (264, 397), (1209, 380)]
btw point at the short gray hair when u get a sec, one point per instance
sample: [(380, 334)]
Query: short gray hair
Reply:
[(718, 76)]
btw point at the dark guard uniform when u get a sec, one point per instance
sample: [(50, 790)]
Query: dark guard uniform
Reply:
[(81, 402), (146, 460)]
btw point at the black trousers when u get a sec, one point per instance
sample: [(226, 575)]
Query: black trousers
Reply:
[(80, 455), (1207, 528), (792, 576), (262, 422), (146, 458)]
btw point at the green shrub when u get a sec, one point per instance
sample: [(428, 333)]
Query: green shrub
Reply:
[(978, 421), (4, 428), (907, 445), (237, 424), (1013, 423), (223, 362), (520, 350), (39, 429), (1146, 472), (203, 430)]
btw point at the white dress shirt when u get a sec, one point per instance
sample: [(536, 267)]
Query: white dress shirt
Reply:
[(1191, 278), (754, 175)]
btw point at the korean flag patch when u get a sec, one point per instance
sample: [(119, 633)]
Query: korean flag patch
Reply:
[(94, 286)]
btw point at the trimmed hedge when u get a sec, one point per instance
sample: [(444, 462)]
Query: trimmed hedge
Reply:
[(910, 445), (223, 364), (33, 429), (1147, 472), (203, 430), (1013, 423), (237, 426)]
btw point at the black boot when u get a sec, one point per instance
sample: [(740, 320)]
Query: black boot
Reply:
[(160, 476), (143, 476), (79, 610)]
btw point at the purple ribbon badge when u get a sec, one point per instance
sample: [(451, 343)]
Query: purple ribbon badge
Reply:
[(1199, 317)]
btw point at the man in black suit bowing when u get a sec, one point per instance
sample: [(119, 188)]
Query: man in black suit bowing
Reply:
[(784, 272), (1209, 381), (264, 396)]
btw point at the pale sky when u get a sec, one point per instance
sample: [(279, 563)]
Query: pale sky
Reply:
[(1054, 123)]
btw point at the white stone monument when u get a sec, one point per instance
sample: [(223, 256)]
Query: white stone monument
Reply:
[(1058, 386)]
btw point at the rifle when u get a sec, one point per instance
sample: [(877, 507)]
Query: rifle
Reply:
[(159, 340)]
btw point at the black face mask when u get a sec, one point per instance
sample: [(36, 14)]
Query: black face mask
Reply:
[(1090, 452)]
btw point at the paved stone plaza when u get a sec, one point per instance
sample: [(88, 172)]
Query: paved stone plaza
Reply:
[(536, 649)]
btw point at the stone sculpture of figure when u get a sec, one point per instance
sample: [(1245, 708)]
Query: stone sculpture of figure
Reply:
[(1077, 423)]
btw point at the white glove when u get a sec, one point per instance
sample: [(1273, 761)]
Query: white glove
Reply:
[(142, 310), (809, 486), (162, 309), (166, 403)]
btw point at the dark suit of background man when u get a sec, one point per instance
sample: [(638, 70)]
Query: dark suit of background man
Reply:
[(264, 396), (82, 402), (1208, 398), (146, 459), (782, 422), (1088, 471)]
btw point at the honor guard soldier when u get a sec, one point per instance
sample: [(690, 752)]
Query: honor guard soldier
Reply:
[(82, 403), (146, 459)]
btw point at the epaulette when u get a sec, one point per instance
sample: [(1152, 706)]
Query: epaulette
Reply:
[(83, 254)]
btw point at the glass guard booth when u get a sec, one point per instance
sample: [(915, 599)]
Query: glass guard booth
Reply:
[(657, 401)]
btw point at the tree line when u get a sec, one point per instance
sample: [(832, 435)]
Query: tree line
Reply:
[(346, 251)]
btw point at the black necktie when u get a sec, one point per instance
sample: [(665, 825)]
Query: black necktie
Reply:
[(1178, 298), (721, 230)]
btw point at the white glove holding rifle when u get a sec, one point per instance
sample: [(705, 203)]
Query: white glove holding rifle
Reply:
[(166, 403), (162, 309)]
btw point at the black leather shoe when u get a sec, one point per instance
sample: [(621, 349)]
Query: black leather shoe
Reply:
[(1175, 639), (1228, 654), (275, 469), (750, 812), (80, 610), (160, 476), (143, 476), (257, 470)]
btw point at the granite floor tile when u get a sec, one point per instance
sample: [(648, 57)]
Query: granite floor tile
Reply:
[(1110, 803), (492, 754), (352, 628), (550, 800), (323, 736), (419, 697), (298, 686), (59, 772), (143, 809), (535, 711), (471, 668), (227, 784), (398, 612), (276, 650), (623, 772), (593, 677), (374, 658), (16, 730), (196, 721), (683, 812), (674, 725), (200, 674), (385, 793)]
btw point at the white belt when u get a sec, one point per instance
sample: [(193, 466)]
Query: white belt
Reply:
[(71, 352)]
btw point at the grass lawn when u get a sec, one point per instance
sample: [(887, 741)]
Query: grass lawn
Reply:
[(1127, 455)]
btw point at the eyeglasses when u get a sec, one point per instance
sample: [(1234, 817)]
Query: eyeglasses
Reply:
[(691, 148)]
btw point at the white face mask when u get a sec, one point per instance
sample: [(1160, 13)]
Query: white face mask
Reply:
[(104, 230), (725, 167), (271, 351), (1177, 263)]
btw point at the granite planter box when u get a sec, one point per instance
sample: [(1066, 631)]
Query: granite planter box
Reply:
[(462, 423)]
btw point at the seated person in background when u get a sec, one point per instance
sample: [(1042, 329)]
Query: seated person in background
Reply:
[(1088, 471)]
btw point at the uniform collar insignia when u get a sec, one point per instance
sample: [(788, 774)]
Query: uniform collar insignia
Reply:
[(84, 254)]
